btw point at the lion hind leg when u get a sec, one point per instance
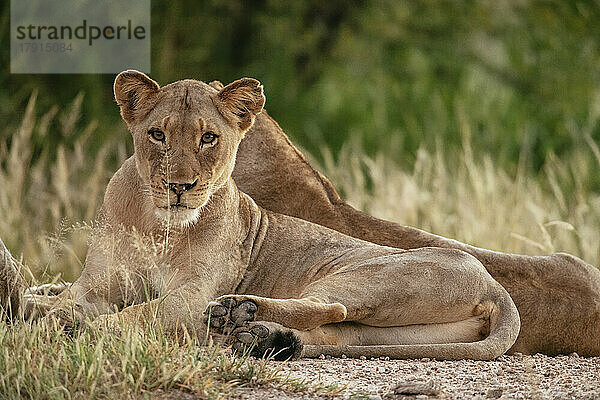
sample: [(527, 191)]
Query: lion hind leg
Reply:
[(267, 339), (273, 340), (502, 322), (356, 334)]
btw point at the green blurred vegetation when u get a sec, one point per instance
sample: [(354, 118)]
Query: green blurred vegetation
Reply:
[(391, 76)]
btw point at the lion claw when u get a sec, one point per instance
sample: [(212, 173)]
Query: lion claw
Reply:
[(244, 312), (227, 314), (219, 311), (245, 337), (228, 302), (217, 322), (260, 331), (260, 341)]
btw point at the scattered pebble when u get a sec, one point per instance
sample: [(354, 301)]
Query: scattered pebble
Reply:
[(415, 388), (494, 393), (508, 377)]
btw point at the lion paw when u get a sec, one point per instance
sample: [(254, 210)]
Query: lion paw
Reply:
[(266, 339), (225, 314)]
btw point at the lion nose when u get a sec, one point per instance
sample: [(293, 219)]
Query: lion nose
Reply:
[(180, 188)]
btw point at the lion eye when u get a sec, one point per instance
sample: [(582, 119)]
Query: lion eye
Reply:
[(157, 134), (208, 137)]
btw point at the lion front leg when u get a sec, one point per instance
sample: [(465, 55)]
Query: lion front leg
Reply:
[(274, 328), (177, 312), (229, 312), (38, 301)]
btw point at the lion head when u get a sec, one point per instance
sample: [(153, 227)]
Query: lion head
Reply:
[(185, 136)]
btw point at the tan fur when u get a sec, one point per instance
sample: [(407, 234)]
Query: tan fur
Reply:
[(11, 285), (558, 296), (209, 254)]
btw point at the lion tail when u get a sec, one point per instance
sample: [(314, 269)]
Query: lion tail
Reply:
[(504, 329)]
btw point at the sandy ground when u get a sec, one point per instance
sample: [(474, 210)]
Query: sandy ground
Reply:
[(509, 377)]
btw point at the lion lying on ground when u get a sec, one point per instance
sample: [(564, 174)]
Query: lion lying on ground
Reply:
[(255, 276), (558, 296)]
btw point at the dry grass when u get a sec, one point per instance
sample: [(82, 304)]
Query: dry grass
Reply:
[(48, 199), (39, 362), (46, 196)]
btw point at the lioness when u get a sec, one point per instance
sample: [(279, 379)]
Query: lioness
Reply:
[(558, 296), (253, 275)]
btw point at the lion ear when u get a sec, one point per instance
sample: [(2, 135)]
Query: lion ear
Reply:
[(216, 85), (241, 101), (135, 93)]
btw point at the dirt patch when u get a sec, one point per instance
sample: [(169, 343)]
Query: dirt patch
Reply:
[(509, 377)]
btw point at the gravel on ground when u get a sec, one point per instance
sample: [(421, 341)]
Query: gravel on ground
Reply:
[(509, 377)]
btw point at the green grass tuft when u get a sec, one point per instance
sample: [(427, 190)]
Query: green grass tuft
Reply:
[(39, 362)]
